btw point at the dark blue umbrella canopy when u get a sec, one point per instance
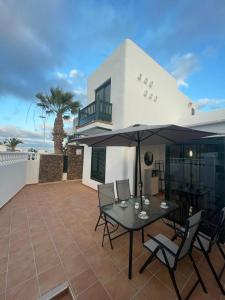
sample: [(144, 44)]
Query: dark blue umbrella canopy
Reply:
[(144, 135), (138, 135)]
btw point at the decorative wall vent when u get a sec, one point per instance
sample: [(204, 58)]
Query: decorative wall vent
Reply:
[(147, 83)]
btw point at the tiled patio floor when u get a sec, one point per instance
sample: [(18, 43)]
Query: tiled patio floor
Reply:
[(47, 236)]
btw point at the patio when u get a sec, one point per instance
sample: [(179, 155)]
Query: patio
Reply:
[(47, 236)]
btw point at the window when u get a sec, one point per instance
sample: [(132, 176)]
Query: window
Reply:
[(98, 164), (103, 93)]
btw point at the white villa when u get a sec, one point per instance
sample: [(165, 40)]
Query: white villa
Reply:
[(131, 88)]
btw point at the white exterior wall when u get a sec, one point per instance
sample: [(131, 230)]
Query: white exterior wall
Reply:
[(32, 173), (12, 179), (130, 106), (15, 174), (213, 121), (218, 128), (113, 68), (170, 103)]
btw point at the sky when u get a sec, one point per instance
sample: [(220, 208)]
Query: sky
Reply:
[(45, 43)]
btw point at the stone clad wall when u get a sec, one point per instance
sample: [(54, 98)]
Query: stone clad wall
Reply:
[(51, 167), (75, 162)]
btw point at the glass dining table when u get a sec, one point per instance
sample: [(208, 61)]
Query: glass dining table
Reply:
[(129, 218)]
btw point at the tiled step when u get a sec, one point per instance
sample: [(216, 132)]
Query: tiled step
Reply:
[(61, 292)]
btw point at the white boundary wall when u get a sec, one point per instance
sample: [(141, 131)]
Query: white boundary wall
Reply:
[(16, 170)]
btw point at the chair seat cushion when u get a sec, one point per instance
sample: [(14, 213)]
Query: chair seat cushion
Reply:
[(204, 241), (152, 245)]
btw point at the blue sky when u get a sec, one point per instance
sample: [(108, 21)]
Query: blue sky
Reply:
[(47, 43)]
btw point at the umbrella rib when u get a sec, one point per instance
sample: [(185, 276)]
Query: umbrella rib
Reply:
[(151, 134), (183, 130), (128, 137), (102, 141), (157, 133), (168, 139)]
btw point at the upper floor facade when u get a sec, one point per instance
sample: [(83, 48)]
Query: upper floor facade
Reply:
[(131, 88)]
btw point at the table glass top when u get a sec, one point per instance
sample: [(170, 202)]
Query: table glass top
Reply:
[(128, 216)]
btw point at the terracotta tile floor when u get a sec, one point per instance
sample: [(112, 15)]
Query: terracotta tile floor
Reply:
[(47, 236)]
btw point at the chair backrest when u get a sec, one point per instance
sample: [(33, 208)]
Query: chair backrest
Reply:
[(106, 194), (191, 229), (123, 189), (213, 225)]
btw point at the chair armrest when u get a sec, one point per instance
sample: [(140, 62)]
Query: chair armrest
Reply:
[(181, 230), (203, 236), (161, 245)]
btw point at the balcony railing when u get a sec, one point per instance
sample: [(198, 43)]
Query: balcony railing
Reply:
[(95, 111)]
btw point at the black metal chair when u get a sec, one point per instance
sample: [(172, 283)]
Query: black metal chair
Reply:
[(169, 253), (106, 196), (123, 189), (209, 236)]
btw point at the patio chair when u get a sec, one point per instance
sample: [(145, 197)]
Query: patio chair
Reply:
[(169, 253), (209, 236), (106, 196), (123, 189)]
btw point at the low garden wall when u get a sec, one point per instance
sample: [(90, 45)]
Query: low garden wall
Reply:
[(16, 170), (75, 162), (51, 167)]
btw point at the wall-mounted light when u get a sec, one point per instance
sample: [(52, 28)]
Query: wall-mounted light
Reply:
[(190, 153)]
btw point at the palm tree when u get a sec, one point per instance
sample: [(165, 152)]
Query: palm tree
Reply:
[(60, 104), (12, 143)]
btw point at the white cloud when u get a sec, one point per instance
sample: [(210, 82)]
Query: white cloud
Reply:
[(181, 82), (80, 92), (73, 73), (209, 103), (61, 75), (182, 66), (30, 138), (14, 131)]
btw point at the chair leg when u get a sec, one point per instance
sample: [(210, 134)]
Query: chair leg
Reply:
[(148, 261), (221, 250), (222, 253), (198, 274), (103, 236), (214, 272), (97, 222), (108, 233), (171, 272)]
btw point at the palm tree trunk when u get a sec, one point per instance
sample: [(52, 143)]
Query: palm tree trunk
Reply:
[(58, 134)]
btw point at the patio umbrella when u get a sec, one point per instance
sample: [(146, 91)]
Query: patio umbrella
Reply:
[(137, 135)]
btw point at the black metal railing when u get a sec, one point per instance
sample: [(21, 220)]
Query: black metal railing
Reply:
[(95, 111)]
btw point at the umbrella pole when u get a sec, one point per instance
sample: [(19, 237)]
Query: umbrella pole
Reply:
[(140, 177), (136, 172)]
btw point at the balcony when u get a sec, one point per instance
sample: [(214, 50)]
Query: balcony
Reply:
[(95, 111)]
